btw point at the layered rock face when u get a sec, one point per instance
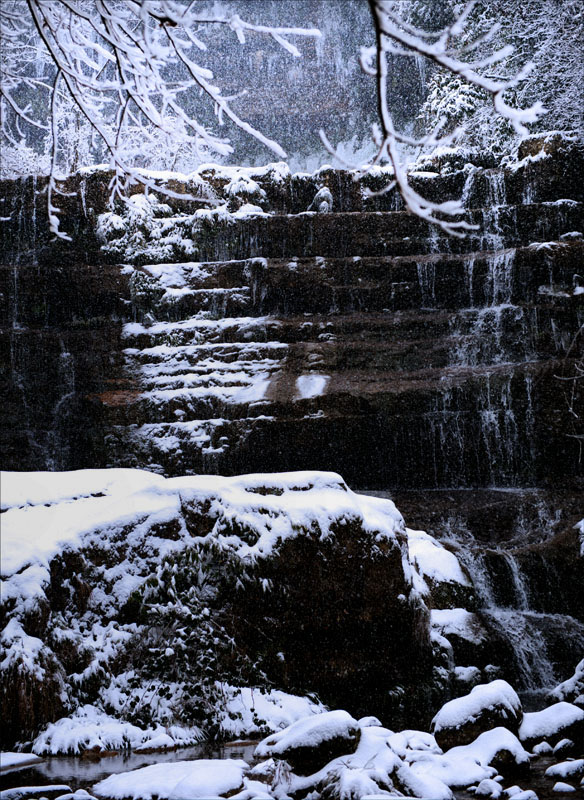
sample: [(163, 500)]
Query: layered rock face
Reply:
[(359, 340)]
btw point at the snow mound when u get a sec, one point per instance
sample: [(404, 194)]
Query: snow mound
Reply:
[(566, 769), (487, 696), (17, 760), (311, 733), (90, 729), (181, 780), (551, 723), (478, 761)]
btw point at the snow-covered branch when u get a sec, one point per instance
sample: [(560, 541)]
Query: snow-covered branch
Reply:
[(394, 35), (127, 72)]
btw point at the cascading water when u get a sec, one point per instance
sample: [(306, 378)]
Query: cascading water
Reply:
[(534, 640)]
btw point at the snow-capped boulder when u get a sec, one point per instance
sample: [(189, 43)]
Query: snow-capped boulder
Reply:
[(559, 721), (489, 705), (179, 780), (325, 570), (442, 575), (323, 201), (489, 788), (468, 636), (310, 743), (498, 748), (566, 769), (565, 748)]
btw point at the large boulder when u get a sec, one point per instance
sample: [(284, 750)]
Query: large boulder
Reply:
[(311, 743), (490, 705), (191, 584), (559, 721)]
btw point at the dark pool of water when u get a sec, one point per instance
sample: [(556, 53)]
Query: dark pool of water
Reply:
[(83, 773)]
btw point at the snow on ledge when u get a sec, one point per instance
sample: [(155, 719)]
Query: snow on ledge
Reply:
[(72, 507)]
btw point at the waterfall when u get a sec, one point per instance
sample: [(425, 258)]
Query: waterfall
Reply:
[(536, 641), (499, 278), (427, 282), (496, 197)]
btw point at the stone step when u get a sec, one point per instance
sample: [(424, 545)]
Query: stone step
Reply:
[(348, 234), (352, 284), (542, 330), (491, 426), (211, 379)]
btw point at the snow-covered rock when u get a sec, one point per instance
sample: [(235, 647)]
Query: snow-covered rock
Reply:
[(312, 742), (13, 761), (490, 753), (572, 689), (566, 769), (180, 780), (559, 721), (460, 721), (440, 570), (87, 601), (563, 788), (489, 788)]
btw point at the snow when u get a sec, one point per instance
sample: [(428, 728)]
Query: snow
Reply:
[(91, 729), (21, 651), (566, 769), (17, 760), (26, 792), (458, 622), (497, 694), (180, 780), (542, 724), (467, 764), (247, 711), (110, 498), (308, 386), (543, 749), (40, 488), (563, 788), (308, 732), (106, 500), (580, 528), (488, 788), (433, 561)]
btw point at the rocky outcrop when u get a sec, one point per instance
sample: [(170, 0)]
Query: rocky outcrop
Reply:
[(179, 586)]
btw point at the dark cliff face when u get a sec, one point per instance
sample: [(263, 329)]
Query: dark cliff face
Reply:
[(426, 361)]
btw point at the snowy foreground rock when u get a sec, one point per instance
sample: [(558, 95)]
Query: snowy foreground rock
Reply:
[(298, 763), (461, 720), (148, 600)]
